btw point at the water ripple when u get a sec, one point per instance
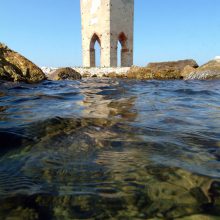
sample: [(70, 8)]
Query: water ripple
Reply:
[(109, 149)]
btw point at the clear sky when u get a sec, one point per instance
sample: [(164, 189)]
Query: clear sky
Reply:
[(48, 31)]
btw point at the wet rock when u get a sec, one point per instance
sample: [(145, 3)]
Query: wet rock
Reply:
[(23, 214), (199, 217), (215, 189), (162, 70), (11, 140), (210, 70), (199, 195), (65, 74), (214, 193), (15, 67)]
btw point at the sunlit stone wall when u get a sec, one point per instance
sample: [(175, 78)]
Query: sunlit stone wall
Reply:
[(107, 22)]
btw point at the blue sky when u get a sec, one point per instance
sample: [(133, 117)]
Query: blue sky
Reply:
[(48, 31)]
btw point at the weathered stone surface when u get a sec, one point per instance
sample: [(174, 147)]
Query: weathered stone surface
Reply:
[(177, 65), (162, 70), (187, 70), (112, 75), (210, 70), (65, 74), (106, 22), (15, 67)]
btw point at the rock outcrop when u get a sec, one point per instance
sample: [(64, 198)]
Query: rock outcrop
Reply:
[(162, 70), (65, 74), (187, 70), (210, 70), (15, 67)]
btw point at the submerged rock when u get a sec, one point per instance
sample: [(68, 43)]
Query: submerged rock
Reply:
[(15, 67), (210, 70), (162, 70), (65, 74), (200, 217)]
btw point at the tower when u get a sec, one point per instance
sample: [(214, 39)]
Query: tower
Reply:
[(107, 22)]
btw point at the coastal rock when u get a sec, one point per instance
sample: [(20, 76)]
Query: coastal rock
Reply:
[(115, 75), (15, 67), (162, 70), (200, 217), (65, 74), (210, 70), (177, 65), (187, 70)]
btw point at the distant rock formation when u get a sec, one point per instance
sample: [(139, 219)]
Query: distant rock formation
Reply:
[(64, 74), (163, 70), (210, 70), (15, 67)]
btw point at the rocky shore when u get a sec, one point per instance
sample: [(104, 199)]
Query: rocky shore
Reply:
[(181, 70), (210, 70), (15, 67)]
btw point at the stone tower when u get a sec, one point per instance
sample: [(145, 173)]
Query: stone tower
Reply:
[(107, 22)]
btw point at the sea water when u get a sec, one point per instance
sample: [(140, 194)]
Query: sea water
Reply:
[(110, 149)]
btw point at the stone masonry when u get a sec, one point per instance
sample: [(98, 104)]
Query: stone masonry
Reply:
[(107, 22)]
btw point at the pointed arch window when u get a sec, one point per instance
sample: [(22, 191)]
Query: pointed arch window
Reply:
[(122, 50), (95, 51)]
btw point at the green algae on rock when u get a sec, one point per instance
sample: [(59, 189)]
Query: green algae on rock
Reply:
[(15, 67)]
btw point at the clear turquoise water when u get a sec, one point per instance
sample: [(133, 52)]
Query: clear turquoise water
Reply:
[(110, 149)]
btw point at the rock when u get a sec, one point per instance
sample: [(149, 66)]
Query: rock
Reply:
[(214, 193), (210, 70), (177, 65), (187, 71), (200, 217), (139, 73), (86, 74), (162, 70), (15, 67), (65, 74), (112, 75)]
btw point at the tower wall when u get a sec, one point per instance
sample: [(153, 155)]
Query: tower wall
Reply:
[(122, 21), (104, 21)]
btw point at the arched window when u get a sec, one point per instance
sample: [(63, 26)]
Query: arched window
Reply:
[(122, 50), (95, 51)]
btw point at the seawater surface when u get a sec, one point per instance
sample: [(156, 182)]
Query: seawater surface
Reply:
[(110, 149)]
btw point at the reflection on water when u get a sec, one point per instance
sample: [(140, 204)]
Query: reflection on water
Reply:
[(110, 149)]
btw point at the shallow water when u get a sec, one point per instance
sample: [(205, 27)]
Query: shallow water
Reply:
[(110, 149)]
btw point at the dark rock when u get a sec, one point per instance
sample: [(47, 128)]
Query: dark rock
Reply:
[(214, 190), (65, 74), (15, 67)]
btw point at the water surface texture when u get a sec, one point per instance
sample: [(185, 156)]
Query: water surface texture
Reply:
[(110, 149)]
